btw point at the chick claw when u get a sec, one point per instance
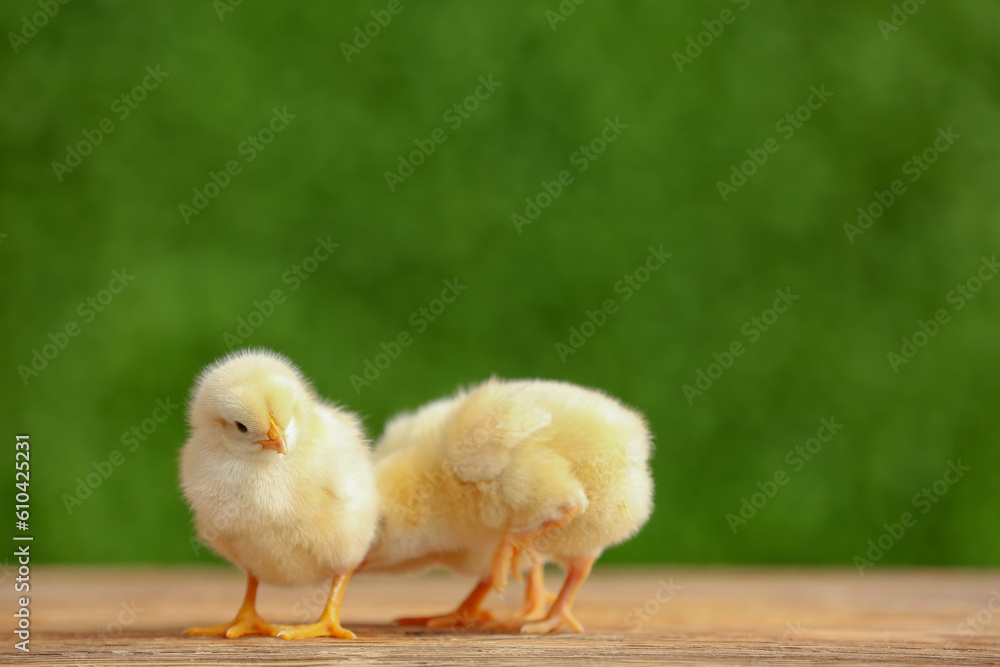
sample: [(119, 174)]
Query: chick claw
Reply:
[(246, 623)]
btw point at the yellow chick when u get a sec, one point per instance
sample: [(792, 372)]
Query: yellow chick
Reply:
[(505, 475), (280, 483)]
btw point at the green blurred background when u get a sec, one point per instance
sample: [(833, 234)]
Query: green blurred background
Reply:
[(656, 184)]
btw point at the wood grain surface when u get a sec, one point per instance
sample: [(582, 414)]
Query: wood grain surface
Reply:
[(117, 616)]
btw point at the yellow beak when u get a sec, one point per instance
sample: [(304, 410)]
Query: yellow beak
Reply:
[(275, 438)]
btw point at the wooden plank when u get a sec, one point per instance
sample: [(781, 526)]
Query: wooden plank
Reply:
[(115, 616)]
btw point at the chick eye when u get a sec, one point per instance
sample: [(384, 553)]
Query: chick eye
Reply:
[(242, 427)]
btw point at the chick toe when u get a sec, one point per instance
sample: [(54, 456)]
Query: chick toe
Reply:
[(456, 619), (468, 615), (551, 623), (324, 628)]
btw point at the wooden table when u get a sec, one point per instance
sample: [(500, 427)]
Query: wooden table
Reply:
[(728, 616)]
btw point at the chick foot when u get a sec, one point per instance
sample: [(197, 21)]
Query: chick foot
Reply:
[(456, 619), (560, 614), (328, 624), (551, 623), (468, 614), (244, 624), (247, 621), (536, 601), (515, 543)]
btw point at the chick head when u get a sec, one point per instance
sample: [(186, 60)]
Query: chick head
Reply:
[(247, 403)]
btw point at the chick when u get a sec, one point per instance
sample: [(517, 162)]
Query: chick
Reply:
[(280, 482), (505, 476)]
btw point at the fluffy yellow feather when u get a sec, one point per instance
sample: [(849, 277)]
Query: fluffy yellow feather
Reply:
[(509, 474)]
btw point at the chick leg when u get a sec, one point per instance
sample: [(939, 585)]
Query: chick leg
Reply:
[(247, 622), (536, 596), (328, 624), (467, 615), (527, 541), (560, 614)]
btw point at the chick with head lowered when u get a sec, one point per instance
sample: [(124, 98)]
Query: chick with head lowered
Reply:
[(507, 475), (280, 483)]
